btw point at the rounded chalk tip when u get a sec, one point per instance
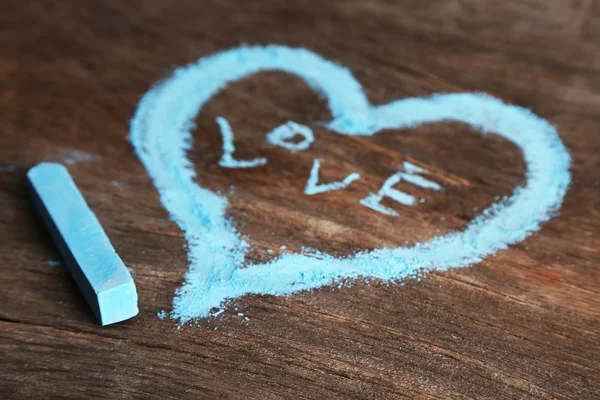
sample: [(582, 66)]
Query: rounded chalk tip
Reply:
[(46, 167)]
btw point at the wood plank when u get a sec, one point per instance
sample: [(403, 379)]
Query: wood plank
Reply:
[(521, 324)]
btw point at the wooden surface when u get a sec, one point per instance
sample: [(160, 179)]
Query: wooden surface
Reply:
[(522, 324)]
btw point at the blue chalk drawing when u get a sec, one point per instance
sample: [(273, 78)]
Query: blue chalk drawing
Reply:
[(313, 186), (412, 169), (373, 201), (160, 134), (227, 159), (280, 136)]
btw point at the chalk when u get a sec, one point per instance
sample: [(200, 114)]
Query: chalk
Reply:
[(100, 274)]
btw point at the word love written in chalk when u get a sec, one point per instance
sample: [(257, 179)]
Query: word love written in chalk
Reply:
[(281, 135), (218, 272)]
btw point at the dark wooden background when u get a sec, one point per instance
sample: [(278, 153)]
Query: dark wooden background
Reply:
[(521, 324)]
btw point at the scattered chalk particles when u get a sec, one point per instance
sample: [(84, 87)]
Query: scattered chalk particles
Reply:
[(160, 133)]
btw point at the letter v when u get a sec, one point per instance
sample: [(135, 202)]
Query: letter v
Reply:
[(313, 186)]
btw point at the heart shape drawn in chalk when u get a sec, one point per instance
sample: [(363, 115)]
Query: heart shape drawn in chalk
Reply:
[(160, 133)]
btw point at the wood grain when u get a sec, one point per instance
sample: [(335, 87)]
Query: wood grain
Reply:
[(521, 324)]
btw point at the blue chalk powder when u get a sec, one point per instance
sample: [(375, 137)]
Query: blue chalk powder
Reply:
[(77, 156), (160, 133), (8, 168)]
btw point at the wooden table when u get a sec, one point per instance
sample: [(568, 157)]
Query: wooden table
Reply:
[(521, 324)]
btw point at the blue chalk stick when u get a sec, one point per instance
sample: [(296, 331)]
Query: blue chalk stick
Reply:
[(100, 274)]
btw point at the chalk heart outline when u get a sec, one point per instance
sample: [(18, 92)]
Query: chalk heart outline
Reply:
[(160, 133)]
